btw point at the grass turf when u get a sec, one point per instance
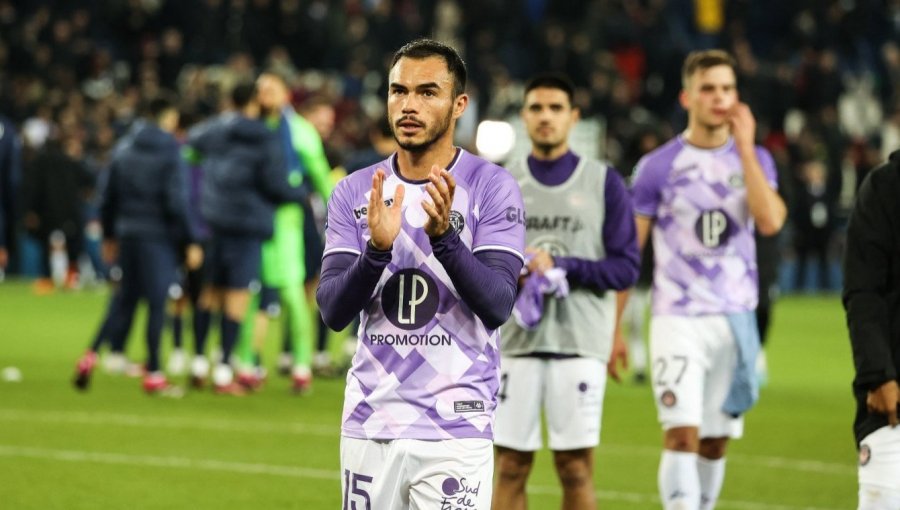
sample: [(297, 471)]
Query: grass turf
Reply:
[(114, 447)]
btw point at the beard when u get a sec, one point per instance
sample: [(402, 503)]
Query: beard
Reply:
[(431, 134)]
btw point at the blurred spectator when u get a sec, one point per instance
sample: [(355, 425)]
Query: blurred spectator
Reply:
[(10, 175), (828, 71), (55, 184), (814, 221)]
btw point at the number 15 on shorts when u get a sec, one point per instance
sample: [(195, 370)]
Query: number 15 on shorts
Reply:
[(355, 495)]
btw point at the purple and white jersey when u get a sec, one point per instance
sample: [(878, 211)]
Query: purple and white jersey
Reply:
[(705, 254), (426, 367)]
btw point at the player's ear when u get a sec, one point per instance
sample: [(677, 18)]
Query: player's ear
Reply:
[(683, 99), (460, 104), (576, 114)]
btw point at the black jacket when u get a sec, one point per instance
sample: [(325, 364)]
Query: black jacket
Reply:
[(244, 175), (146, 193), (872, 287), (10, 177)]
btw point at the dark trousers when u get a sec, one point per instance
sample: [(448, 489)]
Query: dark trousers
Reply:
[(148, 271)]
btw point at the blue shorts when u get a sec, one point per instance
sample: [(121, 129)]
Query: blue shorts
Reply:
[(148, 268), (232, 262)]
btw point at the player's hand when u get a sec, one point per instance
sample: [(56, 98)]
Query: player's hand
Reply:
[(743, 125), (884, 399), (384, 221), (618, 356), (110, 251), (441, 190), (540, 260), (4, 258), (193, 256)]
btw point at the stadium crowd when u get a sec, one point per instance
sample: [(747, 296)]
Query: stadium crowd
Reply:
[(822, 77)]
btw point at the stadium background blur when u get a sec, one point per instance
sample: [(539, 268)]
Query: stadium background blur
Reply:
[(822, 77)]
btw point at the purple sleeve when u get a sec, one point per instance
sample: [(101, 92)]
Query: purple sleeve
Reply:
[(649, 176), (486, 281), (501, 226), (767, 162), (346, 283), (341, 230), (621, 266)]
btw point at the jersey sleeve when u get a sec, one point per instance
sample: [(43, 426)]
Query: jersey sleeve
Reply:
[(767, 162), (340, 226), (312, 154), (646, 187), (501, 224)]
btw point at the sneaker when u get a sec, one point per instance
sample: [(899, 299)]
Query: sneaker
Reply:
[(117, 364), (224, 383), (177, 363), (155, 383), (84, 369), (199, 371), (322, 366), (285, 363), (640, 378), (249, 380), (302, 380), (233, 388)]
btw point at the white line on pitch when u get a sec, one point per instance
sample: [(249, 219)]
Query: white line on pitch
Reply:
[(250, 426), (301, 472)]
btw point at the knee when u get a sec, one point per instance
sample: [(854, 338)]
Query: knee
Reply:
[(682, 439), (574, 468), (513, 467), (713, 448)]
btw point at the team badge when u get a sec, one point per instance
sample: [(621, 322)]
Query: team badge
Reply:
[(456, 221), (865, 454), (736, 181), (668, 398)]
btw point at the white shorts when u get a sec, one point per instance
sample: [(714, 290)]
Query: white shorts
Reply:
[(569, 391), (694, 360), (417, 475), (879, 470)]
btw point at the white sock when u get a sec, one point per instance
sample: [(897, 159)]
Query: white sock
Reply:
[(637, 354), (712, 474), (679, 483)]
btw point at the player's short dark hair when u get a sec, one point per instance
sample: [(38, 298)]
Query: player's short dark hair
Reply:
[(704, 59), (425, 48), (159, 105), (552, 81), (243, 93)]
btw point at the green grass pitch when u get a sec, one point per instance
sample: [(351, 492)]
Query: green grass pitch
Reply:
[(114, 447)]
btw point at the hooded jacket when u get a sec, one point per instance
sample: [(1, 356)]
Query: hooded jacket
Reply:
[(146, 193), (244, 175)]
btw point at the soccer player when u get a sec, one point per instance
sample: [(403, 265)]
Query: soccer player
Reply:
[(244, 178), (702, 194), (144, 216), (426, 246), (872, 301), (580, 221), (283, 259)]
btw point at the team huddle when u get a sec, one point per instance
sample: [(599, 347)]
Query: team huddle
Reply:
[(490, 296)]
